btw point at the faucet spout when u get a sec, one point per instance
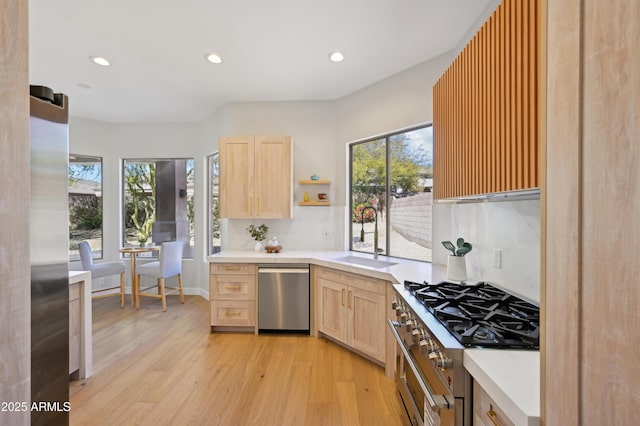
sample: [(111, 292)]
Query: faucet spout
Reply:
[(375, 232)]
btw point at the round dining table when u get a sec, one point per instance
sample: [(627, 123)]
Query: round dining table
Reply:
[(133, 252)]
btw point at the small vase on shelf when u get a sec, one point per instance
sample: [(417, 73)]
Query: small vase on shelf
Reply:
[(258, 247)]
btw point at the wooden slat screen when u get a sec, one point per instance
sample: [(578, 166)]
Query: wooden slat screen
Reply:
[(485, 108)]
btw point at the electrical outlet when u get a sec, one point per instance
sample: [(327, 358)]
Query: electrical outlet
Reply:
[(497, 258), (325, 234)]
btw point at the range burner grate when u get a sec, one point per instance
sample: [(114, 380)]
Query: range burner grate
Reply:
[(481, 314)]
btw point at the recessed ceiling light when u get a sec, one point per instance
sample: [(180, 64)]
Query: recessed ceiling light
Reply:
[(336, 56), (100, 61), (214, 58), (84, 85)]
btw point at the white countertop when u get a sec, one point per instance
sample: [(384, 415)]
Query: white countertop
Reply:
[(77, 276), (511, 379), (403, 270)]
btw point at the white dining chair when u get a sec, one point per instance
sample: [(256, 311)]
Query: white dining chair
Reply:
[(168, 265), (102, 269)]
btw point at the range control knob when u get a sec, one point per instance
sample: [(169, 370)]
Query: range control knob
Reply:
[(416, 333), (409, 322), (428, 346), (440, 360)]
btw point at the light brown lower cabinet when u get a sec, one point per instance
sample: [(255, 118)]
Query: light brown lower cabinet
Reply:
[(485, 411), (74, 328), (351, 309), (232, 289)]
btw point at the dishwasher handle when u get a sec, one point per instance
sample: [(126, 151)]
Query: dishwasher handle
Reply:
[(283, 270)]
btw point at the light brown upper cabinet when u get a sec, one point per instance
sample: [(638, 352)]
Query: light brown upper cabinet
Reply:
[(255, 177), (486, 108)]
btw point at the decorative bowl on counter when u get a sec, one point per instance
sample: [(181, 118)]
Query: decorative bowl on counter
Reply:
[(273, 249)]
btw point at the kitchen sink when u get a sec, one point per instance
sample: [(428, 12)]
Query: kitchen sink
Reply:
[(372, 263)]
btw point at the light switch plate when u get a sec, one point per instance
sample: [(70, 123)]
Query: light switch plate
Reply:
[(497, 258)]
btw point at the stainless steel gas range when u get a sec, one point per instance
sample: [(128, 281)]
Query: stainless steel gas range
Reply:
[(433, 325)]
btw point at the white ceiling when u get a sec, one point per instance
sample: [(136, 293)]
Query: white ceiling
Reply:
[(273, 50)]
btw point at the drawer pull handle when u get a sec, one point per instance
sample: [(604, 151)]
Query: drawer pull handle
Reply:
[(493, 416), (231, 268), (343, 297), (349, 299), (233, 313), (232, 287)]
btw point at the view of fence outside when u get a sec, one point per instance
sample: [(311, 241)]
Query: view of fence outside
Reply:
[(391, 183)]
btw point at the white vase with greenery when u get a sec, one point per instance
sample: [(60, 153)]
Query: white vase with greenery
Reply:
[(259, 234)]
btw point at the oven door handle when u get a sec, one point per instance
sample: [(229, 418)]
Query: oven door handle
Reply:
[(434, 401)]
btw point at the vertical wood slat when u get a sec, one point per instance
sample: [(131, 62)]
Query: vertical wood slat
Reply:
[(525, 166), (535, 47), (502, 96), (486, 108), (492, 106), (520, 141)]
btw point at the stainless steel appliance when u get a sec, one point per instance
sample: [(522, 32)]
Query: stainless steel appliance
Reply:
[(433, 325), (49, 239), (283, 297)]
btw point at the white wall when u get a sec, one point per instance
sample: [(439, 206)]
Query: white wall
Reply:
[(321, 132), (114, 142), (311, 126), (405, 100)]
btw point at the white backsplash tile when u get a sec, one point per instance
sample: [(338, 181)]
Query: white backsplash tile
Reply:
[(511, 226), (314, 228)]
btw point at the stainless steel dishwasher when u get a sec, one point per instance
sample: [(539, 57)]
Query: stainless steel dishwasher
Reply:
[(283, 298)]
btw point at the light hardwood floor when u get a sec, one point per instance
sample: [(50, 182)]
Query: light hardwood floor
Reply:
[(155, 368)]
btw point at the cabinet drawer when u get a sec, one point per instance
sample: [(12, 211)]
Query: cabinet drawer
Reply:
[(374, 285), (74, 292), (233, 268), (233, 287), (233, 313), (485, 410)]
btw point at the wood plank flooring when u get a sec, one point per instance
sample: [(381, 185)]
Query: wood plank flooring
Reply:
[(155, 368)]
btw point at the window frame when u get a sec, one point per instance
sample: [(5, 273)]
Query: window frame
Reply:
[(387, 208), (123, 212), (95, 255), (211, 249)]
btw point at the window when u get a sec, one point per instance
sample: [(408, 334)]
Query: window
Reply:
[(85, 204), (391, 182), (158, 202), (214, 204)]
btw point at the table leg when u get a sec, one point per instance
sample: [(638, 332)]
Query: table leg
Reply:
[(132, 267)]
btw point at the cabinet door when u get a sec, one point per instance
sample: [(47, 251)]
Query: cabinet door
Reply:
[(273, 186), (236, 177), (332, 298), (366, 324), (74, 327)]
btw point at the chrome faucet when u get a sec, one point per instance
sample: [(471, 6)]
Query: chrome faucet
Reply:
[(375, 232)]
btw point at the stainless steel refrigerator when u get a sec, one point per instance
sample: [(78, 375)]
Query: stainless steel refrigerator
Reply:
[(49, 236)]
